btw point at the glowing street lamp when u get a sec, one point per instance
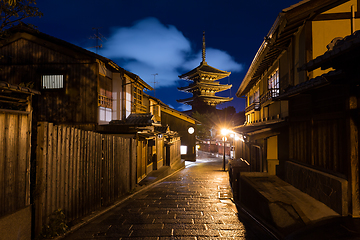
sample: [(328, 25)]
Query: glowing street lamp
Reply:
[(224, 132)]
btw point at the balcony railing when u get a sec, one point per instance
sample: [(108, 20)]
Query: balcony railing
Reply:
[(254, 106), (269, 95), (138, 108)]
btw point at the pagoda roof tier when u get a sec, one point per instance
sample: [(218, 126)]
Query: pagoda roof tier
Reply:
[(212, 86), (204, 72), (209, 100)]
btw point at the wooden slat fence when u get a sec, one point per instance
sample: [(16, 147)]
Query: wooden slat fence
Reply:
[(80, 171), (173, 152), (15, 128), (320, 143)]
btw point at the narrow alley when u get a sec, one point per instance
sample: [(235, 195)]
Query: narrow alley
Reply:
[(194, 203)]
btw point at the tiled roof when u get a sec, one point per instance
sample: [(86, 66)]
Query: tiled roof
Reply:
[(204, 68), (205, 98), (212, 85), (260, 127), (136, 119), (311, 84), (140, 119), (162, 129), (339, 47), (8, 86)]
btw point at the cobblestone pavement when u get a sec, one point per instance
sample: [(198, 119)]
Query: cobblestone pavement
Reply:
[(191, 204)]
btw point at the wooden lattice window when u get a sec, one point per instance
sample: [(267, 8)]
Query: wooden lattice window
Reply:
[(105, 92), (138, 96), (273, 83)]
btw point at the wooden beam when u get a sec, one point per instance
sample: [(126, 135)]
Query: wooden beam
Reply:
[(354, 159)]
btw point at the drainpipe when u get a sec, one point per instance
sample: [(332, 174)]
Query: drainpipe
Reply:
[(352, 19)]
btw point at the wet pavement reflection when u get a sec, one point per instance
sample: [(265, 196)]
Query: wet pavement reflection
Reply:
[(194, 203)]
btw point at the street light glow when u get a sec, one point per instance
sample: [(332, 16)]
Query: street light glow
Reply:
[(224, 131)]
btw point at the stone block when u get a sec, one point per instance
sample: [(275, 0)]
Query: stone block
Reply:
[(326, 188)]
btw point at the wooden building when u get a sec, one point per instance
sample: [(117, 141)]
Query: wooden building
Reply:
[(185, 126), (172, 123), (324, 121), (89, 114), (83, 89), (159, 132), (302, 136), (204, 86), (78, 87)]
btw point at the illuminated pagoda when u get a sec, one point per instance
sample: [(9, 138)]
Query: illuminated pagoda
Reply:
[(204, 86)]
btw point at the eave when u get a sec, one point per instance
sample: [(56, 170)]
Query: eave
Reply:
[(311, 84), (279, 37), (16, 88), (203, 98), (179, 115), (217, 87), (137, 79), (346, 48), (204, 69)]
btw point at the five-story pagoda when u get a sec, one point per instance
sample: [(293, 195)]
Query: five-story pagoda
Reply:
[(204, 86)]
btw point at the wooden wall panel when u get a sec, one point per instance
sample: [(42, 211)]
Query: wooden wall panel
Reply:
[(14, 161), (319, 143), (26, 61)]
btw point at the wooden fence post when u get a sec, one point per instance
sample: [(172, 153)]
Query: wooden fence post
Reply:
[(39, 195)]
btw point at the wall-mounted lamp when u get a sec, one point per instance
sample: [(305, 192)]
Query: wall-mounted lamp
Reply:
[(191, 130)]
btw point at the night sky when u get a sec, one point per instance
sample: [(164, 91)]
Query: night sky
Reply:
[(165, 36)]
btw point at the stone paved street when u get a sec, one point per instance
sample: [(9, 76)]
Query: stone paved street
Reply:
[(191, 204)]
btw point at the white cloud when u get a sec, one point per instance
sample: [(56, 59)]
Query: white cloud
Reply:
[(171, 106), (216, 58), (150, 47), (184, 107)]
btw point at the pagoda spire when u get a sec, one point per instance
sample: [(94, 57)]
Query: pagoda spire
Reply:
[(203, 49)]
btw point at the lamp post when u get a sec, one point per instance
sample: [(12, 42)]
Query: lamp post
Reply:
[(224, 155), (224, 132)]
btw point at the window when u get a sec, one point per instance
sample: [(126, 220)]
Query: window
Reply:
[(137, 95), (248, 118), (105, 114), (183, 149), (273, 84), (251, 99), (52, 81), (137, 105), (105, 98), (105, 92), (255, 97)]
